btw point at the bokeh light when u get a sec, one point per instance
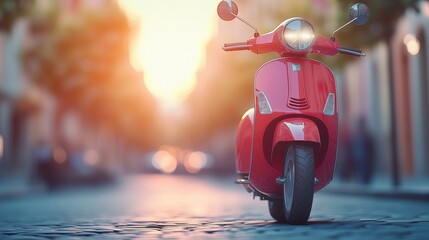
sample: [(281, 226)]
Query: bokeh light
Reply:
[(60, 155), (412, 44), (164, 161), (91, 157), (195, 162)]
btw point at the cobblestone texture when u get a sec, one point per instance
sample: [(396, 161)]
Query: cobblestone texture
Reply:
[(169, 207)]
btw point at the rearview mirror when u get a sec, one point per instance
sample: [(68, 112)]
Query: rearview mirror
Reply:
[(359, 13), (227, 10)]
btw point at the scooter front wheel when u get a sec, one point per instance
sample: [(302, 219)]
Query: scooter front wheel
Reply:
[(299, 185), (277, 210)]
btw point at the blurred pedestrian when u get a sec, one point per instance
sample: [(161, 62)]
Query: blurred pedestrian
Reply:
[(362, 151), (346, 166), (43, 160)]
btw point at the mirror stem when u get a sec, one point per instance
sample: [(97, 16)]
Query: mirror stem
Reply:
[(345, 25), (248, 24)]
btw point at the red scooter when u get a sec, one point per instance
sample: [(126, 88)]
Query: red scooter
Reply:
[(287, 144)]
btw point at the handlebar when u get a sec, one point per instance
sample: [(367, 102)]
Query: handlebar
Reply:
[(325, 46), (351, 51), (236, 46)]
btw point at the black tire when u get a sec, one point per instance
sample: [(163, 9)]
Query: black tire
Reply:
[(277, 210), (299, 185)]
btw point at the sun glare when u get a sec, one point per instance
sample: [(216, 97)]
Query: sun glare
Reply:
[(170, 44)]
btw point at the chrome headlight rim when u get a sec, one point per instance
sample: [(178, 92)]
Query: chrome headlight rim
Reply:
[(290, 46)]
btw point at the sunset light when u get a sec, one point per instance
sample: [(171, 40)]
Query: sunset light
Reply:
[(170, 43)]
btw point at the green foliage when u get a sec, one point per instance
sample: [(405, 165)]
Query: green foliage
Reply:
[(381, 25), (11, 10)]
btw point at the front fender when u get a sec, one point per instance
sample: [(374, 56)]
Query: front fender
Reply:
[(296, 129), (292, 130)]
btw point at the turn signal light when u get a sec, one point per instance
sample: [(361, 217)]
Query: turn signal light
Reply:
[(264, 104)]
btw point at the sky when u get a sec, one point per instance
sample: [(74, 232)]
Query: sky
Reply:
[(170, 44)]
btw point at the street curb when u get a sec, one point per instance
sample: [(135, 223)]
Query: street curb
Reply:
[(391, 194)]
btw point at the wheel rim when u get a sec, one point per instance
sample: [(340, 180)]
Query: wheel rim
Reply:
[(289, 174)]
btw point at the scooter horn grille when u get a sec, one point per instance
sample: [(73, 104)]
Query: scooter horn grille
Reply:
[(298, 104)]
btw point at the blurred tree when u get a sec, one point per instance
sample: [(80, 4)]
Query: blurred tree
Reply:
[(78, 52), (82, 58), (381, 25), (11, 10)]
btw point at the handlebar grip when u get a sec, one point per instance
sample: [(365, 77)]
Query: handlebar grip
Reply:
[(235, 44), (237, 47), (351, 51)]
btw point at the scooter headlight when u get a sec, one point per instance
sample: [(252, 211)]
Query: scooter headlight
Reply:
[(298, 34)]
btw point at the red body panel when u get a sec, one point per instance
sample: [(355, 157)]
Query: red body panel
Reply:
[(243, 145), (297, 96)]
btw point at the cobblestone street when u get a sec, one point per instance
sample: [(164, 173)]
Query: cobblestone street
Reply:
[(169, 207)]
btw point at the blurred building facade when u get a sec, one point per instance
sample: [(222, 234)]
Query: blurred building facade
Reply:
[(412, 69), (403, 62), (20, 104)]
